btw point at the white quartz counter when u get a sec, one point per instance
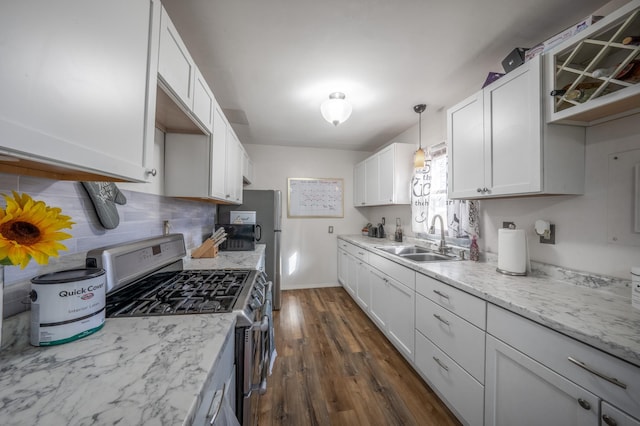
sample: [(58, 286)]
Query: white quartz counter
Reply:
[(599, 317), (148, 370)]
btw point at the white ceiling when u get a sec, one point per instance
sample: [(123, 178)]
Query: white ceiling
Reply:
[(276, 61)]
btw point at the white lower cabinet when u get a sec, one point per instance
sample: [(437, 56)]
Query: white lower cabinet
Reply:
[(521, 391), (462, 393), (401, 321), (352, 275), (539, 376), (612, 416), (363, 287), (379, 295), (342, 266)]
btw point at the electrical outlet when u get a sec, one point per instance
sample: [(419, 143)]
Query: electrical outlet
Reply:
[(509, 225), (551, 238), (331, 229)]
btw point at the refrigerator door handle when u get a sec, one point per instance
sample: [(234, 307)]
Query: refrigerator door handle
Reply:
[(258, 232)]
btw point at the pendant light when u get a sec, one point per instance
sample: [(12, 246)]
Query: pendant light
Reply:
[(336, 109), (419, 156)]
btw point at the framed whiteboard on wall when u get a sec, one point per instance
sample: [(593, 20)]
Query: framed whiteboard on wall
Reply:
[(315, 197)]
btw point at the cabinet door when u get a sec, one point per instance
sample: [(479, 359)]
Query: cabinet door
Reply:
[(342, 267), (363, 288), (359, 190), (519, 390), (612, 416), (219, 155), (379, 306), (233, 179), (176, 69), (401, 319), (465, 135), (187, 165), (513, 125), (74, 84), (352, 276), (386, 175), (372, 187), (203, 101)]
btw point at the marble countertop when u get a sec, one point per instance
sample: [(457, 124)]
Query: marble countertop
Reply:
[(148, 370), (601, 317)]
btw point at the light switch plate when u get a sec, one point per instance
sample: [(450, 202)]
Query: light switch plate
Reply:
[(331, 229)]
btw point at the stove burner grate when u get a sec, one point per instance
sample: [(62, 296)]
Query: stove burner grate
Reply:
[(176, 293)]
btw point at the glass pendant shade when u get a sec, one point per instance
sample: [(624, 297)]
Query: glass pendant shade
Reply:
[(335, 109), (419, 158)]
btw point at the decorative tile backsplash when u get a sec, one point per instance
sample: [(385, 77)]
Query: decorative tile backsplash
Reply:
[(141, 217)]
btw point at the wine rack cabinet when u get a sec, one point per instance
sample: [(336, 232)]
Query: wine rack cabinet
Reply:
[(601, 66)]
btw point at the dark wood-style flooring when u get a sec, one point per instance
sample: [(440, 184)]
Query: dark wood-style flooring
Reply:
[(334, 367)]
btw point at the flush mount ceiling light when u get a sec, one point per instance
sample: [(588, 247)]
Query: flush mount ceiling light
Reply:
[(335, 109), (419, 155)]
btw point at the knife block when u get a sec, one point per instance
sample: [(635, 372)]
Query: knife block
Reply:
[(207, 250)]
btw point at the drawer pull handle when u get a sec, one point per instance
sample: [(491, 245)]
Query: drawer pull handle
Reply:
[(584, 404), (361, 253), (441, 294), (597, 373), (609, 420), (442, 320), (441, 364)]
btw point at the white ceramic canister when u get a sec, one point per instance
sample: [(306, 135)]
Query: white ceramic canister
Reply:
[(67, 305)]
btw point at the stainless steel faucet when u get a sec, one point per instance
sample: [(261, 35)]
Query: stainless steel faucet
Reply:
[(442, 248)]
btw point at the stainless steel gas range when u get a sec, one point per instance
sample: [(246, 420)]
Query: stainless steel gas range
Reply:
[(146, 278)]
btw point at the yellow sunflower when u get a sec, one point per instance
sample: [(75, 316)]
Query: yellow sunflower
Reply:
[(30, 229)]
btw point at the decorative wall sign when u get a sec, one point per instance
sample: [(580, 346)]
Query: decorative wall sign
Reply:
[(315, 197)]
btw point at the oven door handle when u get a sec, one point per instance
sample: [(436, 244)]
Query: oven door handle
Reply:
[(266, 348)]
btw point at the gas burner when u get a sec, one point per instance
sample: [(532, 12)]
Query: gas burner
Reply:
[(181, 292)]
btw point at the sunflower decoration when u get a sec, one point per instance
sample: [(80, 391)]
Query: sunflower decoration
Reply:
[(30, 229)]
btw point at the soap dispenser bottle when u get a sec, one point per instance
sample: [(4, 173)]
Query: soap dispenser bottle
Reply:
[(398, 234), (474, 250)]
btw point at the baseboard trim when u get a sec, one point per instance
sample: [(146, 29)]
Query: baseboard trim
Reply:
[(315, 285)]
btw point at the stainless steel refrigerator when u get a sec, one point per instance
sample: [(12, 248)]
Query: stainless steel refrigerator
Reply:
[(268, 207)]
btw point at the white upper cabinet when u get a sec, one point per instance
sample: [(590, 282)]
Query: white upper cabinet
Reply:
[(359, 187), (385, 177), (219, 159), (76, 99), (597, 63), (499, 145), (203, 101), (233, 168), (176, 68)]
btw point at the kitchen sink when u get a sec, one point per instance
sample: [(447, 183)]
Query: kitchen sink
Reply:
[(404, 250), (417, 253)]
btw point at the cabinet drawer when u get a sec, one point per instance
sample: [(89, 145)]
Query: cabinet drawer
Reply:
[(461, 340), (354, 250), (396, 271), (461, 391), (610, 415), (553, 350), (457, 301)]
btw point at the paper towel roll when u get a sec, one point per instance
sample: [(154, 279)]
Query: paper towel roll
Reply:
[(512, 251)]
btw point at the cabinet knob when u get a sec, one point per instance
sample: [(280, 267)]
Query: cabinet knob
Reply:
[(485, 189), (609, 420), (151, 172), (584, 404), (479, 190)]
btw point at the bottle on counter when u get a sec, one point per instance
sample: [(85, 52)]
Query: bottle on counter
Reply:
[(474, 250), (398, 234)]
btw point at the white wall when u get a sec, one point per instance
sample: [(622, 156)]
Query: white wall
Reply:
[(581, 221), (309, 252)]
